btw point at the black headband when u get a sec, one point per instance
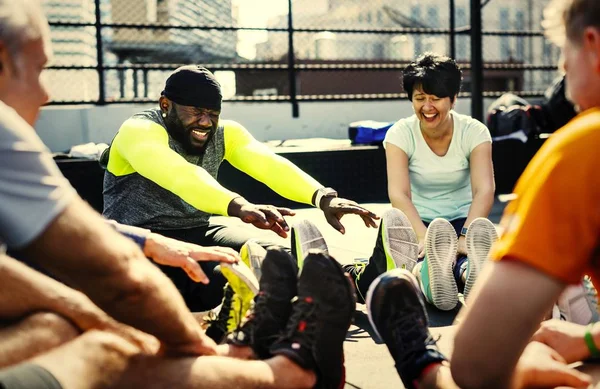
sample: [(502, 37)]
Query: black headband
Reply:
[(194, 86)]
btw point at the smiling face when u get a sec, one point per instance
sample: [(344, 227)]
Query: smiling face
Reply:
[(433, 112), (193, 127)]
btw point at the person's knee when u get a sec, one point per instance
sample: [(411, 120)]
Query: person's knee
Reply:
[(59, 330)]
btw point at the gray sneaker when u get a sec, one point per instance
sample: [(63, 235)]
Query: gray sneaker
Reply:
[(306, 236), (480, 237)]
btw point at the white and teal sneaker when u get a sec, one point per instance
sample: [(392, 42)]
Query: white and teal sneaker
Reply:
[(436, 276), (481, 235)]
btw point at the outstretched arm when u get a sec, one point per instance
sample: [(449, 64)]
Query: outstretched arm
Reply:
[(172, 252), (81, 249), (143, 147), (482, 187), (506, 290), (399, 190), (245, 153)]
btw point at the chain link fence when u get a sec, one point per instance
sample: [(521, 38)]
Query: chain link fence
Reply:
[(121, 51)]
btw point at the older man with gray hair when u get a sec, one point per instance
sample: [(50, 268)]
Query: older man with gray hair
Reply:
[(130, 327)]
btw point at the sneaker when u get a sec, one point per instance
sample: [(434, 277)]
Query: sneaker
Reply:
[(578, 304), (321, 315), (217, 319), (272, 306), (397, 246), (245, 287), (437, 278), (399, 241), (480, 237), (253, 254), (397, 314), (306, 236)]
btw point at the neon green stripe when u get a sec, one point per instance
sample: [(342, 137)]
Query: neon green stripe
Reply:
[(258, 161)]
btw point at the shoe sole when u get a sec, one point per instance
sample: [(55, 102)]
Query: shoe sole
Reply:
[(253, 255), (373, 287), (441, 244), (306, 236), (400, 242), (480, 237), (577, 306), (244, 284)]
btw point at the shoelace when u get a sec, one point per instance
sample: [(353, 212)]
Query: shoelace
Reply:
[(258, 310), (301, 325), (220, 320), (411, 336)]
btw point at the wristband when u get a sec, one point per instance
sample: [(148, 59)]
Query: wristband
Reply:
[(137, 234), (324, 192), (589, 341)]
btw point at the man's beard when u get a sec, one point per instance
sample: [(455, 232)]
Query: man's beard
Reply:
[(181, 134)]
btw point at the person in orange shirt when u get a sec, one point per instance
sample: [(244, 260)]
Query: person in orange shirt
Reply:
[(551, 239)]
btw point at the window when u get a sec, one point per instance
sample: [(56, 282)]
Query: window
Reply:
[(461, 40), (151, 15), (415, 14), (504, 40), (433, 17), (520, 26)]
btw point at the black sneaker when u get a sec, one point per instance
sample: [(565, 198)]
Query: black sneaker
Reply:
[(272, 306), (306, 236), (322, 312), (217, 323), (397, 313)]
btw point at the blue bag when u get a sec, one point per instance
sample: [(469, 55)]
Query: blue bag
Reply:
[(368, 132)]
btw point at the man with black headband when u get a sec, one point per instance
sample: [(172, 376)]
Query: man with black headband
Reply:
[(162, 175)]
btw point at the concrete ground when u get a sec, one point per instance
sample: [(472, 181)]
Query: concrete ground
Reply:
[(368, 362)]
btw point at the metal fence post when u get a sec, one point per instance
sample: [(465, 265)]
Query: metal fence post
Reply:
[(292, 63), (452, 30), (476, 61), (100, 56)]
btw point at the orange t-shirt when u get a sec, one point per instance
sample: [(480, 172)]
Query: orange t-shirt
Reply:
[(553, 224)]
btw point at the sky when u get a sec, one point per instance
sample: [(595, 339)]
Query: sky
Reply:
[(256, 13)]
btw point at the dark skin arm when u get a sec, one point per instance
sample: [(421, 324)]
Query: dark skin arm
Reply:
[(334, 208)]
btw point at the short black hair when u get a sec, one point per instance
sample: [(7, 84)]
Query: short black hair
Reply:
[(437, 74)]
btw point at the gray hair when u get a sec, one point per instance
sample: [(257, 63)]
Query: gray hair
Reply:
[(22, 21), (567, 19)]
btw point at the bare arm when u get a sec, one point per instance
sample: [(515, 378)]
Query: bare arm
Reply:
[(506, 290), (80, 248), (482, 187), (482, 182), (399, 187), (24, 291)]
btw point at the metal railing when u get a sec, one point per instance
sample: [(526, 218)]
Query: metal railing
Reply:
[(293, 73)]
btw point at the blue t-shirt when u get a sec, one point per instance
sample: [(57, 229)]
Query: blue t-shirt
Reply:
[(440, 186)]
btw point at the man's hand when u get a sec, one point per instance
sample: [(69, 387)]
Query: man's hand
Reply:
[(541, 366), (265, 217), (172, 252), (462, 246), (334, 208), (565, 338)]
